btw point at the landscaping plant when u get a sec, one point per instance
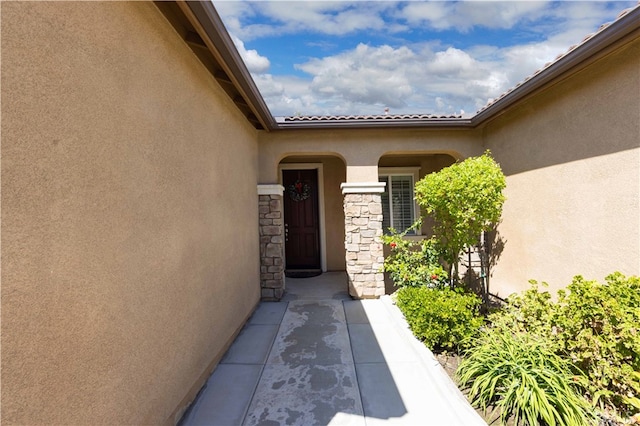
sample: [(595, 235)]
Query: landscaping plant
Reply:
[(444, 319), (413, 263), (532, 312), (524, 379), (593, 326), (598, 328), (465, 199)]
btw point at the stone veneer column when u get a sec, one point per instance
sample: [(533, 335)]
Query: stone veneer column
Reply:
[(363, 229), (271, 216)]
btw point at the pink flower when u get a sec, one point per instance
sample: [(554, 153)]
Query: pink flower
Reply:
[(434, 277), (393, 245)]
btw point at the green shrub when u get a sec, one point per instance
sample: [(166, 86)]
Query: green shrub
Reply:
[(524, 378), (443, 319), (598, 327), (412, 263), (594, 326), (532, 312), (465, 199)]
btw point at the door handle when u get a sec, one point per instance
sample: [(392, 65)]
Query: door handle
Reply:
[(286, 232)]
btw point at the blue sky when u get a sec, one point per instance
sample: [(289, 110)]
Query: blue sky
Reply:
[(426, 57)]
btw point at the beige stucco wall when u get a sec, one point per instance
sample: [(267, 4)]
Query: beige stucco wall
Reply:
[(361, 149), (572, 159), (129, 215)]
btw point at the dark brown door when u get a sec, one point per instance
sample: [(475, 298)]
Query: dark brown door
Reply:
[(302, 234)]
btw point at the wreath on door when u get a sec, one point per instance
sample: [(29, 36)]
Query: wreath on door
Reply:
[(299, 191)]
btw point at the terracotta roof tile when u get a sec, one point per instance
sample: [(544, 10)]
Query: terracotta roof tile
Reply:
[(389, 117)]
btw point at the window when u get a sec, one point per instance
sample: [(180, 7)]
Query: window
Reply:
[(398, 206)]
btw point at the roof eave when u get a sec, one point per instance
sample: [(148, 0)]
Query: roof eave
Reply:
[(221, 46), (451, 123)]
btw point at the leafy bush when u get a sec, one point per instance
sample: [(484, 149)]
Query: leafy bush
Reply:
[(532, 312), (413, 263), (598, 328), (465, 199), (525, 379), (594, 326), (443, 319)]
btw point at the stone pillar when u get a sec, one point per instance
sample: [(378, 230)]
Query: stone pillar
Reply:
[(271, 216), (363, 229)]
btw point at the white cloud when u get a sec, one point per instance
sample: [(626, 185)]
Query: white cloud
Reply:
[(368, 75), (367, 79), (252, 59), (465, 15), (269, 87), (289, 17), (452, 61), (288, 95), (428, 77)]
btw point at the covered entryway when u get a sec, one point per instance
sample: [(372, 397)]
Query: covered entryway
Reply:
[(302, 231), (313, 217)]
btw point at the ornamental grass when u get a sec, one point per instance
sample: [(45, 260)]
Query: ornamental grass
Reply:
[(525, 380)]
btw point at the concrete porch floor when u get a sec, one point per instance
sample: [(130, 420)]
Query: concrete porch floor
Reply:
[(320, 358)]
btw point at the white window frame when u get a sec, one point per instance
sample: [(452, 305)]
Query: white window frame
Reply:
[(414, 172)]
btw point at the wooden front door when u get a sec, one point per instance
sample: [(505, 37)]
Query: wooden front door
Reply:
[(301, 224)]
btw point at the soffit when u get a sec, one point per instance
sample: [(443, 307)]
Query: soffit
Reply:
[(201, 28)]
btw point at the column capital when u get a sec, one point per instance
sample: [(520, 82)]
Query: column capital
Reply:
[(270, 189), (362, 187)]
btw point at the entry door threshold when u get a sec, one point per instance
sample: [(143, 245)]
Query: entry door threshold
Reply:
[(302, 273)]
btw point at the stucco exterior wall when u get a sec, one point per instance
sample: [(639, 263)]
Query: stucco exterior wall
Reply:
[(129, 216), (361, 149), (571, 155)]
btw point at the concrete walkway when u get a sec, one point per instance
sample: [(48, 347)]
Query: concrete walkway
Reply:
[(320, 358)]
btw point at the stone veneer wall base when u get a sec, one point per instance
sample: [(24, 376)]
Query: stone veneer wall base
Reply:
[(363, 244), (272, 281)]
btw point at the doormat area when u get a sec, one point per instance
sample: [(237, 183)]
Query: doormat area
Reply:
[(302, 273)]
